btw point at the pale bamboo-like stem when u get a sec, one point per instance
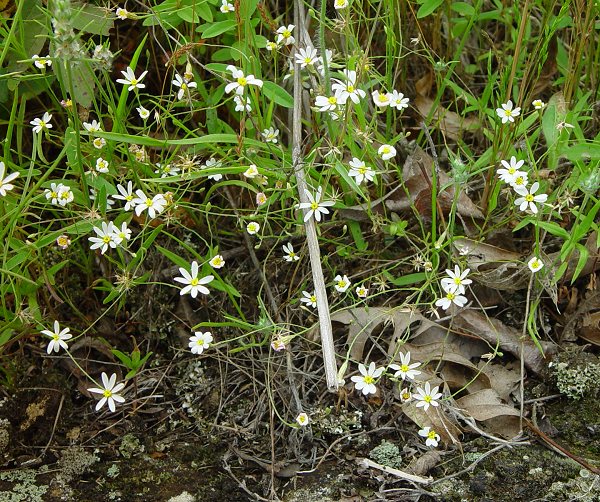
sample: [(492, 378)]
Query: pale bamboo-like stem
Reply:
[(310, 225)]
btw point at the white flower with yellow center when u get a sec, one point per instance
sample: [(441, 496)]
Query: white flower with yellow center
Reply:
[(289, 255), (427, 397), (217, 261), (316, 207), (340, 4), (199, 342), (362, 292), (101, 165), (528, 198), (510, 170), (398, 101), (406, 369), (99, 143), (154, 205), (42, 124), (240, 81), (5, 182), (192, 284), (456, 281), (366, 381), (226, 7), (131, 80), (348, 89), (431, 437), (507, 113), (538, 104), (535, 264), (40, 62), (106, 237), (127, 195), (184, 86), (360, 171), (109, 392), (284, 35), (58, 337), (271, 134), (386, 152), (342, 283), (306, 57), (380, 99), (309, 298), (252, 228), (451, 298), (302, 419)]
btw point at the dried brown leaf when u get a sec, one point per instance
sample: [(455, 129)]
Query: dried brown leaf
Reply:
[(449, 123), (507, 338), (419, 190)]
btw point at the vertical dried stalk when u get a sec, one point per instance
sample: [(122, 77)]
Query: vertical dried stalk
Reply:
[(311, 231)]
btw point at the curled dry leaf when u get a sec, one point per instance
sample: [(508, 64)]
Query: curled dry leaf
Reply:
[(361, 322), (507, 338), (496, 267), (417, 181), (486, 407)]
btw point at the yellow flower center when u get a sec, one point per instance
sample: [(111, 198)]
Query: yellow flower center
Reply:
[(520, 181), (307, 60), (314, 206), (350, 88), (404, 368), (194, 281), (134, 81), (386, 149), (107, 393), (431, 435), (457, 281), (341, 284), (368, 379), (535, 264), (149, 202), (511, 170), (362, 169), (313, 299), (529, 198), (450, 296), (287, 34), (55, 337), (427, 399), (508, 113), (332, 100), (242, 81)]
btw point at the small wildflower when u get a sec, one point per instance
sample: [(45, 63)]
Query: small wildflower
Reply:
[(123, 233), (184, 86), (340, 4), (40, 62), (366, 381), (106, 237), (242, 103), (200, 341), (5, 182), (538, 104), (227, 7), (42, 124), (289, 255), (261, 198), (535, 264), (456, 281), (360, 171), (564, 125), (428, 396), (521, 180), (271, 46), (529, 199), (380, 99), (99, 143), (217, 261), (405, 395), (507, 113), (315, 206), (348, 89), (386, 152), (302, 419), (63, 241), (398, 101), (127, 195), (92, 126), (142, 112), (270, 135), (362, 292), (252, 228), (431, 437), (306, 57), (131, 80), (212, 162), (405, 369), (342, 283), (58, 338), (109, 392), (309, 298), (327, 103), (121, 13), (277, 344), (284, 35), (192, 284), (240, 81), (101, 165), (251, 172), (510, 170), (451, 298), (154, 205), (66, 103)]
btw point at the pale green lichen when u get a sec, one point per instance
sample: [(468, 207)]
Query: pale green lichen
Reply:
[(74, 462), (130, 445), (576, 374), (386, 454), (113, 471), (23, 487)]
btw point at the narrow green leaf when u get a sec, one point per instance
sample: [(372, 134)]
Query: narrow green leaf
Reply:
[(278, 94)]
